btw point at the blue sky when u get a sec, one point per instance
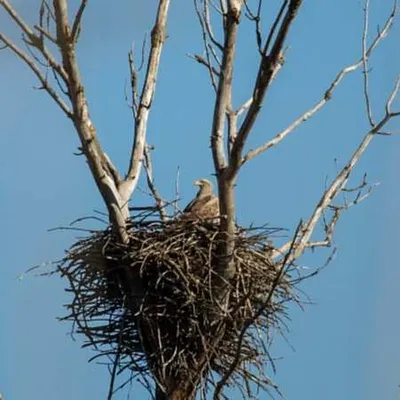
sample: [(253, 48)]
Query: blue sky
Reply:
[(346, 343)]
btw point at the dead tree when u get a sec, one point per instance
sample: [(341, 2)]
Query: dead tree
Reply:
[(51, 45)]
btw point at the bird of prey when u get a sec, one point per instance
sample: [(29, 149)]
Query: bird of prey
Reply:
[(205, 205)]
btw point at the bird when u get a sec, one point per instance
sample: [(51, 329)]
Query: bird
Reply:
[(205, 205)]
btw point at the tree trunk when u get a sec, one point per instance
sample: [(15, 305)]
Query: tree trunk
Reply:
[(226, 268), (181, 390)]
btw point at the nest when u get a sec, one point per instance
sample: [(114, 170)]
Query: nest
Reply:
[(154, 307)]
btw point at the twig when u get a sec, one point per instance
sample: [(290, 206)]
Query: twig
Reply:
[(42, 78), (269, 65), (146, 98), (365, 64), (202, 61), (177, 192), (340, 181), (76, 26), (148, 166), (326, 97)]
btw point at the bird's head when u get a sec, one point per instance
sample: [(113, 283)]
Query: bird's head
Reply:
[(203, 183), (206, 187)]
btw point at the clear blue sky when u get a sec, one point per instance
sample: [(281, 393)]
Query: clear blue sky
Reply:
[(346, 344)]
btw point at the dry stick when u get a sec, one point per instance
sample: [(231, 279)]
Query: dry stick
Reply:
[(44, 22), (103, 171), (207, 47), (327, 95), (133, 74), (256, 18), (71, 78), (274, 27), (35, 69), (208, 26), (245, 106), (50, 14), (34, 40), (267, 70), (177, 192), (114, 369), (365, 64), (204, 62), (148, 166), (329, 226), (45, 33), (340, 182), (158, 35), (76, 26), (223, 6), (115, 192), (214, 55)]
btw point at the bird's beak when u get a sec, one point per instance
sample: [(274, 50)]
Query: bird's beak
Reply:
[(196, 183)]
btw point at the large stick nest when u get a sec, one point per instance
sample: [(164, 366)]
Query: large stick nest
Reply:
[(156, 307)]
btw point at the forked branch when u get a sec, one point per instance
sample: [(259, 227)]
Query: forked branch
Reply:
[(39, 74), (269, 65), (115, 191), (223, 96), (158, 36), (329, 92), (340, 182)]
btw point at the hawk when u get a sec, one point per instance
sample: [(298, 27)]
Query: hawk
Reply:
[(205, 205)]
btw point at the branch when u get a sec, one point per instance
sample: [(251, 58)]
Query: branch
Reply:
[(76, 26), (269, 66), (208, 41), (34, 40), (224, 87), (339, 184), (177, 193), (329, 225), (103, 171), (204, 62), (393, 95), (256, 18), (365, 64), (35, 69), (245, 106), (327, 95), (115, 191), (148, 166), (134, 78), (157, 40), (208, 26), (46, 34)]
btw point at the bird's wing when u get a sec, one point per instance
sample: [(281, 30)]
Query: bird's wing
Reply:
[(197, 204), (207, 207), (189, 207), (211, 208)]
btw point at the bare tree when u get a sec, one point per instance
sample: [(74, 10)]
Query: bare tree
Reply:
[(51, 46)]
